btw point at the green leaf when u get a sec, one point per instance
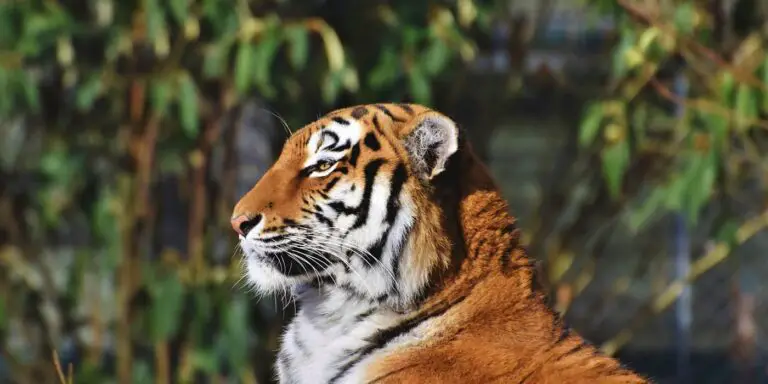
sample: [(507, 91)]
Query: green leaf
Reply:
[(264, 54), (3, 315), (386, 71), (54, 161), (615, 160), (639, 216), (179, 10), (6, 99), (765, 81), (167, 303), (104, 218), (746, 106), (331, 87), (88, 92), (188, 106), (155, 19), (30, 91), (160, 96), (727, 83), (590, 124), (203, 304), (434, 60), (244, 67), (205, 360), (141, 373), (717, 124), (700, 180), (298, 46), (684, 17), (727, 233), (349, 79), (626, 43), (676, 193), (216, 60), (419, 86), (8, 35), (236, 331)]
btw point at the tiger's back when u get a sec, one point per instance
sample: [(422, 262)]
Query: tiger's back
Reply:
[(404, 260)]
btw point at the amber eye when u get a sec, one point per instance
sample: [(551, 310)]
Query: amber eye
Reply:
[(323, 166)]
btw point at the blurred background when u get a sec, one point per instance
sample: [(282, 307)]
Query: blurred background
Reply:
[(630, 137)]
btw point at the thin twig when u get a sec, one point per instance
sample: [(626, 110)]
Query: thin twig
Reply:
[(57, 365)]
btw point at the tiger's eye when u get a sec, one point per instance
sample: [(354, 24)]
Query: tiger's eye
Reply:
[(323, 166)]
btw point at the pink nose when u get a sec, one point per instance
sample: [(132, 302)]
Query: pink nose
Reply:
[(243, 224)]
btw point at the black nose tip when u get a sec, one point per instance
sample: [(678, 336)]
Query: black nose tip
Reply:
[(245, 226)]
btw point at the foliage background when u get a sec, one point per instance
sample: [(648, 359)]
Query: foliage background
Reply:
[(130, 128)]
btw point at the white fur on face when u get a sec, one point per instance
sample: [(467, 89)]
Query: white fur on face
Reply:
[(322, 142), (259, 271)]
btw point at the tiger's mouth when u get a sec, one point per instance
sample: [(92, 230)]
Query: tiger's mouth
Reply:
[(288, 258), (294, 262)]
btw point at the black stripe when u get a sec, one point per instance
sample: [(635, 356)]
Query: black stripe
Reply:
[(359, 112), (509, 228), (388, 113), (393, 203), (371, 141), (376, 123), (393, 207), (323, 219), (365, 314), (407, 108), (380, 339), (375, 250), (506, 257), (282, 362), (331, 184), (289, 222), (330, 134), (354, 155), (273, 239), (340, 207), (340, 148), (287, 265), (300, 344), (371, 170), (340, 120), (342, 170), (394, 289), (565, 331)]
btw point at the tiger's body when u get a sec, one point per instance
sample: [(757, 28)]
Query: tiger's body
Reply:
[(403, 259)]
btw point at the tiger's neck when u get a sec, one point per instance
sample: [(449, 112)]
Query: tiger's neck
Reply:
[(490, 242)]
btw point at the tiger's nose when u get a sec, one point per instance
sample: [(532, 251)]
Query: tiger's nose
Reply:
[(243, 224)]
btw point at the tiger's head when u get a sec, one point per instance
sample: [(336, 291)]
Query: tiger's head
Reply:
[(352, 202)]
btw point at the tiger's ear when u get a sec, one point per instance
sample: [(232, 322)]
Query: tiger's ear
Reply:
[(430, 143)]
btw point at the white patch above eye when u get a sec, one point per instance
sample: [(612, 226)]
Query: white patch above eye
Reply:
[(330, 142)]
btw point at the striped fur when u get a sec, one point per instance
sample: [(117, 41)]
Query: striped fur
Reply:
[(404, 260)]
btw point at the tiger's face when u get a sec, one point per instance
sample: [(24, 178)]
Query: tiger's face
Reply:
[(342, 203)]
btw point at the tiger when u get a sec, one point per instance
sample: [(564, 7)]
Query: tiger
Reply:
[(405, 263)]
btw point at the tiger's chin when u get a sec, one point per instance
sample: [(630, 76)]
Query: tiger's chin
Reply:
[(269, 275)]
